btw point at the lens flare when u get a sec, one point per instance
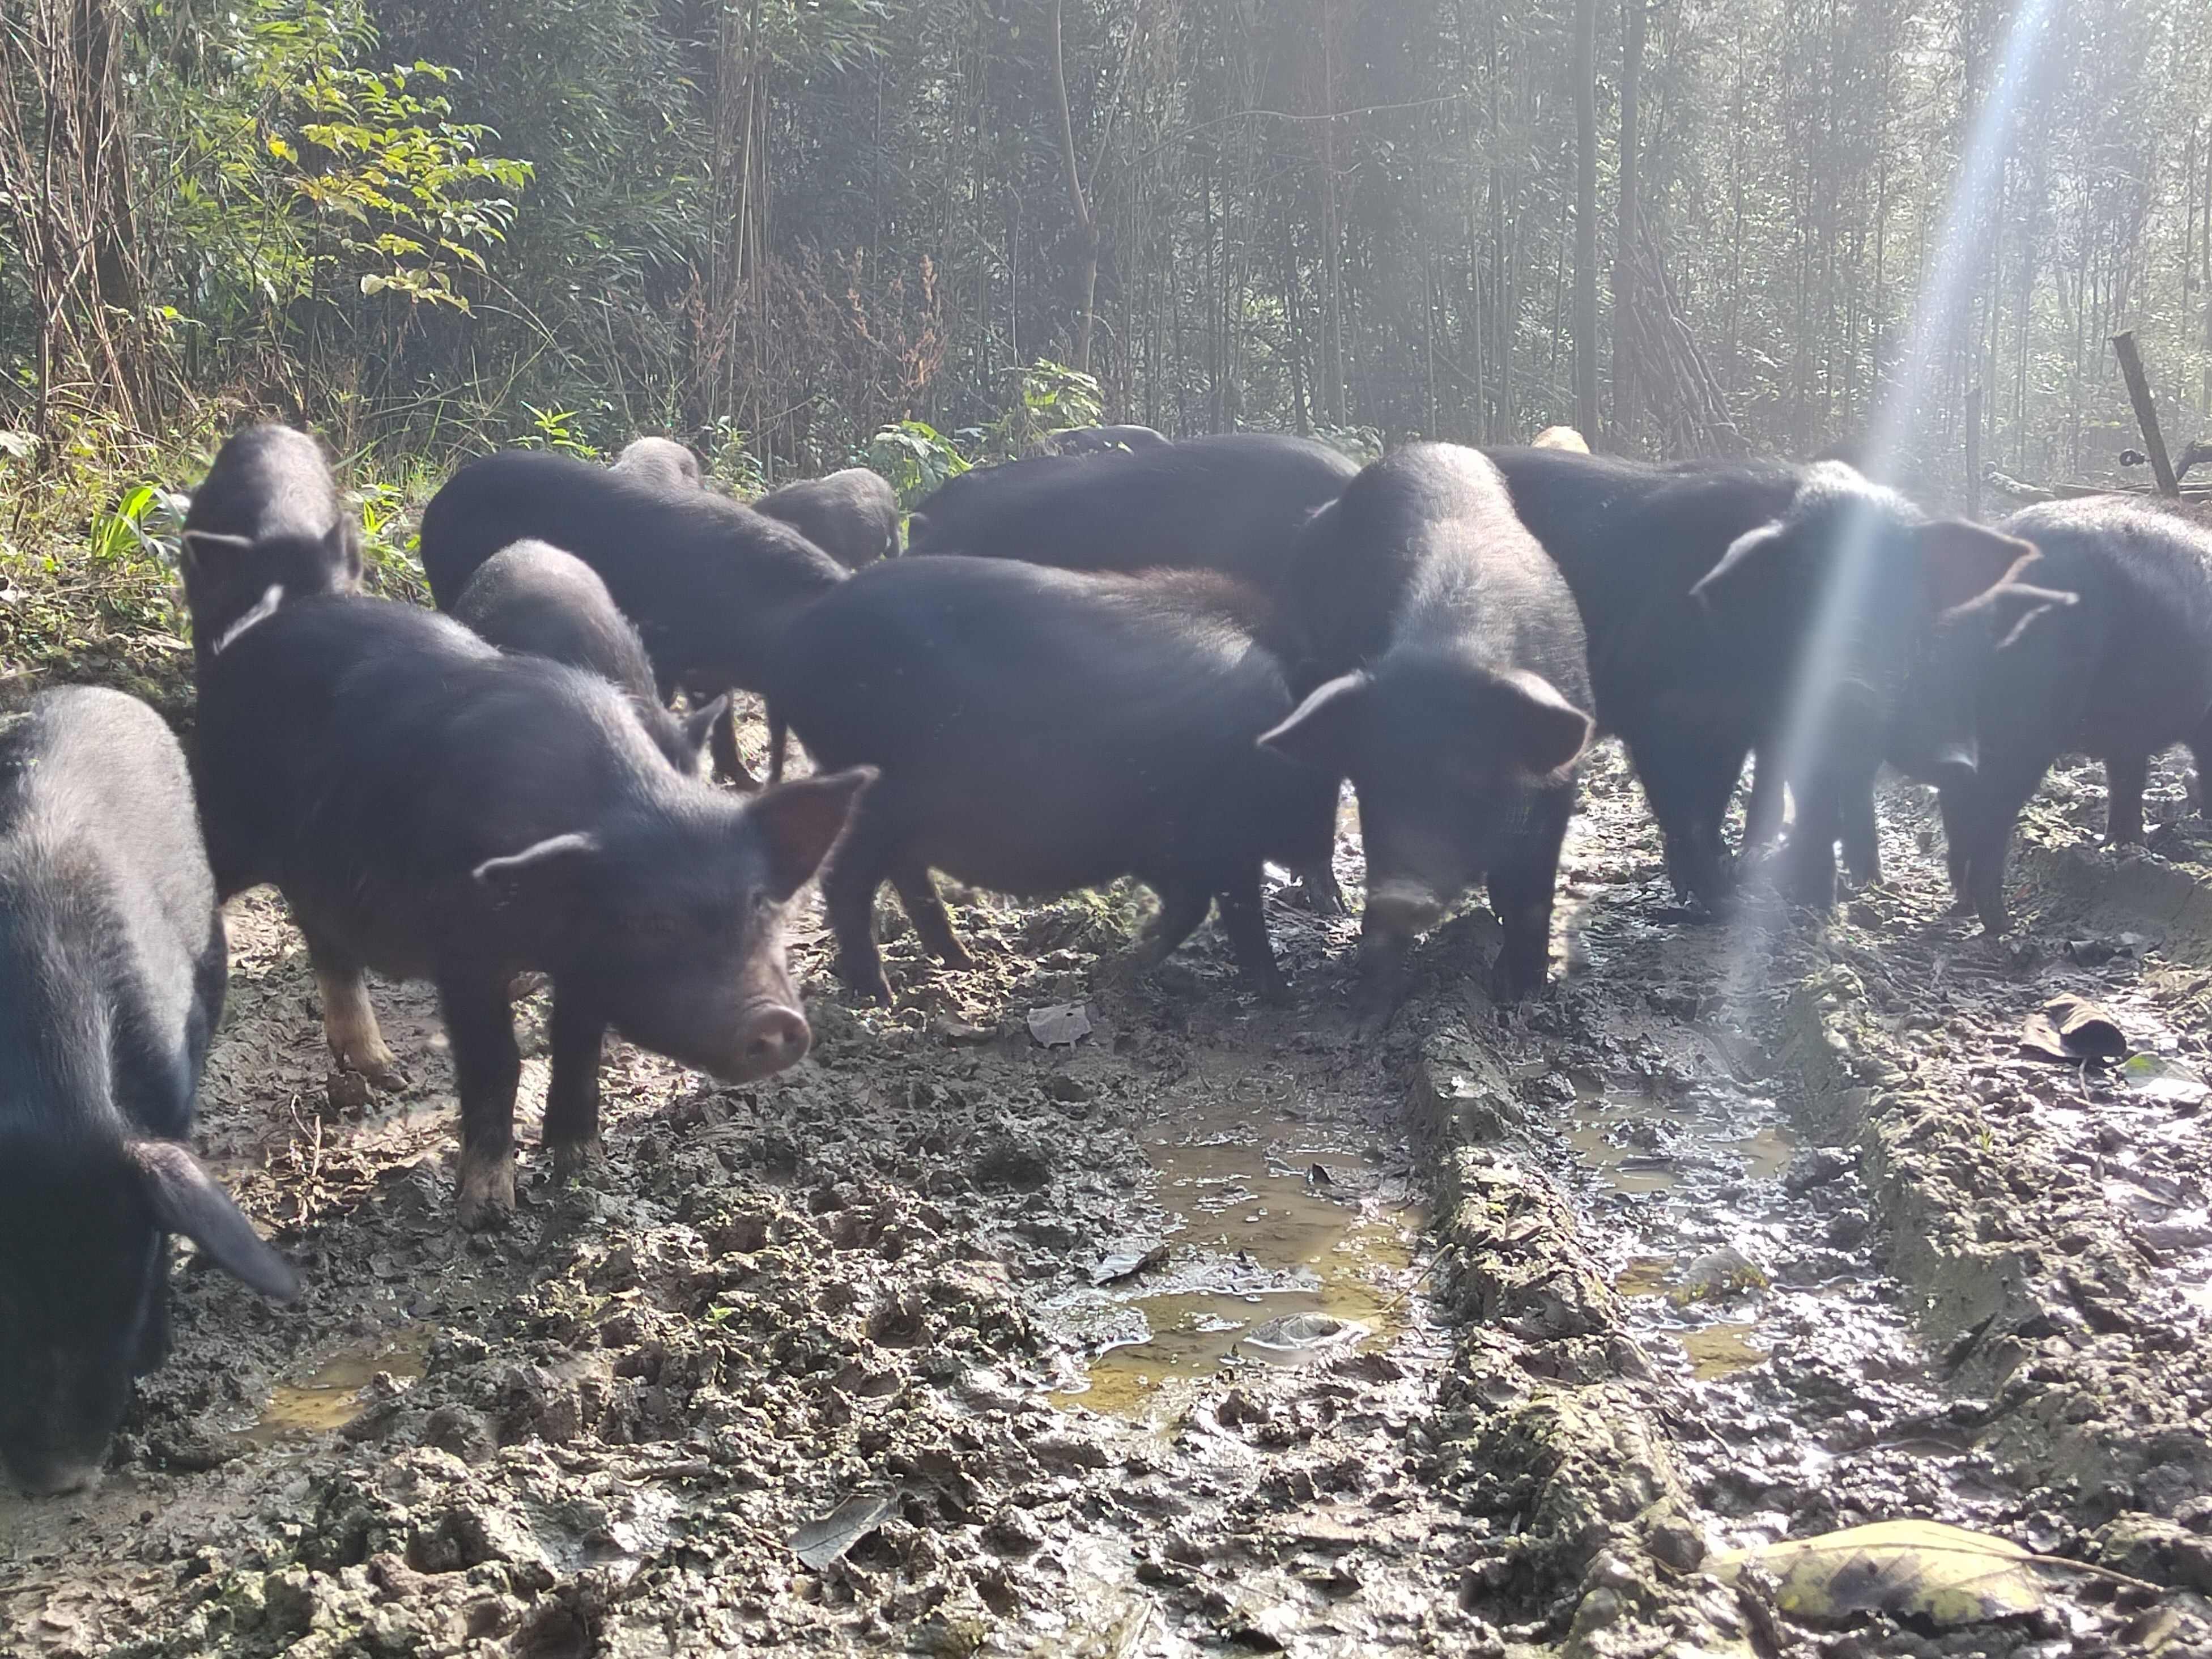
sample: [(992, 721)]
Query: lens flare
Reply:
[(1940, 313)]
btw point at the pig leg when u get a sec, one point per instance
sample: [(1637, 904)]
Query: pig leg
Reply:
[(1688, 778), (1521, 887), (925, 910), (487, 1066), (1860, 825), (1317, 881), (1182, 907), (1956, 803), (1246, 924), (2002, 790), (860, 864), (2125, 776), (2200, 750), (1811, 849), (572, 1094), (1762, 814), (349, 1021)]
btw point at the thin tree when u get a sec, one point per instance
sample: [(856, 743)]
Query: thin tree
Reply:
[(1633, 20), (1586, 216), (1086, 227)]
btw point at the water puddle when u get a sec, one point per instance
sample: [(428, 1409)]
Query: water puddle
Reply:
[(1283, 1246), (1638, 1144), (329, 1397)]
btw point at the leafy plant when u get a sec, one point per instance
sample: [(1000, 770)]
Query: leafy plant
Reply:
[(557, 430), (916, 457), (1046, 398), (401, 189)]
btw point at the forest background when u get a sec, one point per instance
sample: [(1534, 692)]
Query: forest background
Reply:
[(799, 234)]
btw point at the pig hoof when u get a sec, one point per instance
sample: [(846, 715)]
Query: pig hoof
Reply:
[(954, 955), (487, 1195), (867, 987), (1273, 989), (1506, 988), (379, 1065), (573, 1160)]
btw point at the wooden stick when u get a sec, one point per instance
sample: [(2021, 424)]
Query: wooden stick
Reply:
[(2124, 346)]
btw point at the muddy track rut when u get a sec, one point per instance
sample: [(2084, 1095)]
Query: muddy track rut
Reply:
[(1216, 1329)]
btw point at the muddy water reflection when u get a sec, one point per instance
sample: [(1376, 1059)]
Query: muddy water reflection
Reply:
[(329, 1397), (1285, 1246)]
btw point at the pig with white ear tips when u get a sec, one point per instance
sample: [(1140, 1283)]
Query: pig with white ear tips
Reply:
[(1460, 726), (268, 515)]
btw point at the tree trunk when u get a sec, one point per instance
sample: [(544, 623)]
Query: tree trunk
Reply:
[(1087, 228), (1586, 413), (1633, 21), (1333, 292)]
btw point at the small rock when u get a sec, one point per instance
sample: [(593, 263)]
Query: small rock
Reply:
[(1678, 1543), (348, 1093), (1014, 1531), (1816, 1166), (1848, 1229)]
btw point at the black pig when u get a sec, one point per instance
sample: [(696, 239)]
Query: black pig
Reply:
[(534, 599), (1461, 721), (852, 515), (662, 462), (111, 963), (1093, 439), (1039, 731), (2098, 642), (710, 584), (267, 514), (1233, 502), (434, 810), (1704, 588)]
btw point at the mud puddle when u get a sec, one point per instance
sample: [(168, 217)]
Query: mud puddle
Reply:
[(1285, 1244), (332, 1395)]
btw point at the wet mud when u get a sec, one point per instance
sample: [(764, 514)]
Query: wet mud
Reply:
[(1060, 1309)]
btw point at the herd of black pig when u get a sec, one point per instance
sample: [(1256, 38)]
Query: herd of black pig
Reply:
[(1137, 657)]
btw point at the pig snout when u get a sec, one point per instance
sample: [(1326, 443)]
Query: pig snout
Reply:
[(1395, 905), (769, 1037)]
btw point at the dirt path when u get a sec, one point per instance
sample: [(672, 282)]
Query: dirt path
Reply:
[(1212, 1329)]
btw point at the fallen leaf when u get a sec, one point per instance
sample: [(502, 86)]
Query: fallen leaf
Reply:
[(1295, 1337), (1119, 1265), (1067, 1022), (1908, 1569), (2069, 1031), (818, 1543)]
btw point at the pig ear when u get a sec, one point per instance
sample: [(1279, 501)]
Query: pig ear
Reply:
[(1959, 561), (187, 1201), (699, 724), (1544, 731), (800, 823), (2013, 606), (1325, 730), (1746, 565), (537, 870), (346, 537)]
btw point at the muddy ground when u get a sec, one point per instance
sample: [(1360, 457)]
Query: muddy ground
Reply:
[(1212, 1328)]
